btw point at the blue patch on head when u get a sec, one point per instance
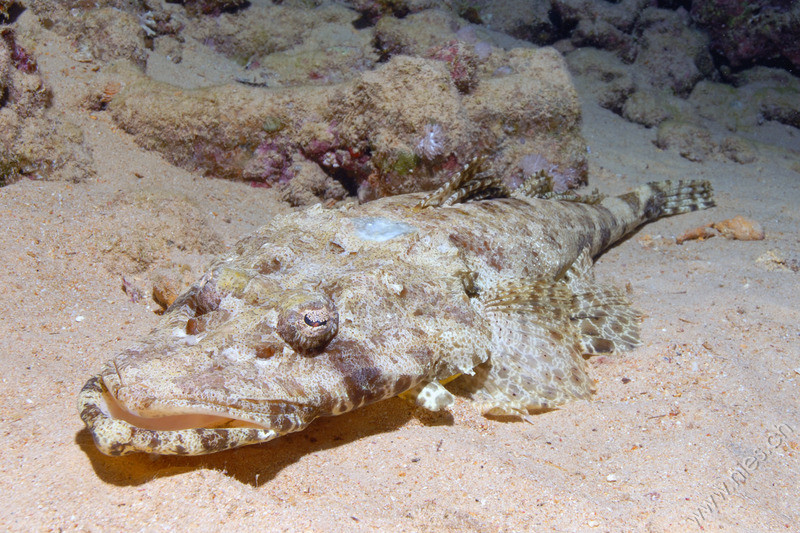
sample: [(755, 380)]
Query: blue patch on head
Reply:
[(380, 229)]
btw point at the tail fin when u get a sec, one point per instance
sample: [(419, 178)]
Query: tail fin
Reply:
[(683, 196), (647, 203), (666, 198)]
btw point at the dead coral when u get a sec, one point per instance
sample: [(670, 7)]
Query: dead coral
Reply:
[(213, 7), (33, 142), (312, 185), (737, 228), (416, 34), (114, 34), (693, 142), (402, 127), (740, 228), (395, 103)]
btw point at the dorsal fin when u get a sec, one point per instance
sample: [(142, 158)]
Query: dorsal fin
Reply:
[(537, 185), (473, 182), (541, 185)]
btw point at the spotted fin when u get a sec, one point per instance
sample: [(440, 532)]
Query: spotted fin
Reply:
[(473, 182), (540, 331)]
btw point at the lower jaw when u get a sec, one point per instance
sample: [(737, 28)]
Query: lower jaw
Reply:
[(117, 436)]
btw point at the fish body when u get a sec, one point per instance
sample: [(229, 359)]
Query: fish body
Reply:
[(323, 311)]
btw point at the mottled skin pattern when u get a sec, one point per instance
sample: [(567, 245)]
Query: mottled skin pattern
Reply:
[(326, 310)]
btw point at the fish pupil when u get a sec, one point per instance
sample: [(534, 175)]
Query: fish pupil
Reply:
[(314, 323)]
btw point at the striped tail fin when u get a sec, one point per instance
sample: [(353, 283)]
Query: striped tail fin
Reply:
[(666, 198)]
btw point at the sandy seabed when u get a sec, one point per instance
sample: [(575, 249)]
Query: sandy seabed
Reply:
[(697, 428)]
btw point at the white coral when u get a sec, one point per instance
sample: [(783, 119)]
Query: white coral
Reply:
[(147, 22)]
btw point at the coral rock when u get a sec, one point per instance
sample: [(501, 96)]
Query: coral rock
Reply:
[(744, 32), (691, 141)]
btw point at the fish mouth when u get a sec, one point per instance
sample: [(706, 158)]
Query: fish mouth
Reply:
[(117, 431)]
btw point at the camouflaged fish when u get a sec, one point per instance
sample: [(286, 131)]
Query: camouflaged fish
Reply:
[(326, 310)]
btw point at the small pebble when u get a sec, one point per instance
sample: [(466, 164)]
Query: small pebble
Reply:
[(611, 478), (79, 318), (165, 291)]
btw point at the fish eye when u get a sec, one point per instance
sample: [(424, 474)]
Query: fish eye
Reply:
[(308, 322)]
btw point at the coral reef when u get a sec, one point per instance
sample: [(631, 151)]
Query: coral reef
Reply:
[(692, 141), (660, 42), (415, 34), (522, 19), (104, 30), (113, 34), (642, 107), (398, 128), (761, 96), (8, 9), (395, 103), (697, 143), (373, 10), (310, 185), (621, 15), (288, 46), (385, 97), (20, 58), (599, 33)]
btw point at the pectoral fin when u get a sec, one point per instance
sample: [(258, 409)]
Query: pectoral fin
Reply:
[(540, 331), (605, 320), (603, 315)]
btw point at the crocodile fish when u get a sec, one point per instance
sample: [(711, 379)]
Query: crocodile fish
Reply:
[(323, 311)]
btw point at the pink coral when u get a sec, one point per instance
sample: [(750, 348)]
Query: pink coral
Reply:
[(270, 164), (562, 179), (461, 62), (23, 61)]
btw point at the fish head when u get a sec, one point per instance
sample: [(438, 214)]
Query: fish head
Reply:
[(290, 327)]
